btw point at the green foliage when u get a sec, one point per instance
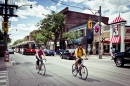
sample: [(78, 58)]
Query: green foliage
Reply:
[(52, 25), (18, 41), (72, 35), (9, 40), (42, 36)]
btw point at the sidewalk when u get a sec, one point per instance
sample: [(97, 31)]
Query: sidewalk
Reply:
[(97, 57), (4, 65)]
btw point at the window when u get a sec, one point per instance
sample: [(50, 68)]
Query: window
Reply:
[(82, 32)]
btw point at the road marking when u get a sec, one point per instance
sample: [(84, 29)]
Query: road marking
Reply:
[(3, 76)]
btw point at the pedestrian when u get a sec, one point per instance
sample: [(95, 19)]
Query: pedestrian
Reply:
[(112, 52)]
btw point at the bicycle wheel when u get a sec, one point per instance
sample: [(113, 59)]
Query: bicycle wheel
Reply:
[(84, 72), (43, 69), (74, 70)]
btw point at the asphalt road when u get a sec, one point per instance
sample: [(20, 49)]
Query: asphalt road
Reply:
[(101, 72)]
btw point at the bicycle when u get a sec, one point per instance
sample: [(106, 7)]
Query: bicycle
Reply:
[(81, 70), (41, 67)]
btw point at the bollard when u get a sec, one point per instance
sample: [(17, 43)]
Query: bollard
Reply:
[(6, 56)]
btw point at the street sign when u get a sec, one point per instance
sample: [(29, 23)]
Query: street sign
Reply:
[(5, 26)]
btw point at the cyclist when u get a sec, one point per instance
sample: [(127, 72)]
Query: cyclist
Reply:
[(79, 52), (39, 54)]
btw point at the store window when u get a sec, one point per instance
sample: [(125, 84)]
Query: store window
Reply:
[(106, 48)]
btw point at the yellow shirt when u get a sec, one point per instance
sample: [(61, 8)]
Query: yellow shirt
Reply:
[(79, 52)]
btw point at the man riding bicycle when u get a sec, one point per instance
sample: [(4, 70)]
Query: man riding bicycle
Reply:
[(39, 54), (79, 52)]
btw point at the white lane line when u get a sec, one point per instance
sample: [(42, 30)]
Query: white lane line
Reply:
[(1, 81)]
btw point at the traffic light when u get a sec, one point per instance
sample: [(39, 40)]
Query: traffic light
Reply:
[(5, 26), (90, 24), (96, 29)]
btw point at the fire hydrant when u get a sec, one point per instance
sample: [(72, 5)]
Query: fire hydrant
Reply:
[(6, 56)]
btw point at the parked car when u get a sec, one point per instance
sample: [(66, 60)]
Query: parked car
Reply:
[(49, 52), (121, 58), (61, 51), (11, 51), (68, 54)]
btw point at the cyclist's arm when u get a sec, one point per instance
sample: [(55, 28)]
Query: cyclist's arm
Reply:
[(44, 55), (76, 54), (85, 54), (37, 54)]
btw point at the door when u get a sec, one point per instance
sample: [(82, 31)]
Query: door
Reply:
[(127, 56)]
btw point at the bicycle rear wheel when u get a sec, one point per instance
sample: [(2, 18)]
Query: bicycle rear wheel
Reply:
[(84, 72), (74, 70)]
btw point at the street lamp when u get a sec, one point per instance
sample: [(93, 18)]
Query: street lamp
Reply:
[(25, 5)]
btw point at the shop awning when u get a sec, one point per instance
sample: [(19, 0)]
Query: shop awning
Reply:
[(116, 39)]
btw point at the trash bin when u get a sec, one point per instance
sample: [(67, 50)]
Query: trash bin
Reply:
[(6, 56)]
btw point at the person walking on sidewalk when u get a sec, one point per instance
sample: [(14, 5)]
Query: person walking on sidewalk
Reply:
[(112, 52)]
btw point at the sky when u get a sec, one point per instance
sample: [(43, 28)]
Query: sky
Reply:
[(28, 18)]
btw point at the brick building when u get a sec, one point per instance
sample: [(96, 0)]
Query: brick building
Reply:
[(76, 18)]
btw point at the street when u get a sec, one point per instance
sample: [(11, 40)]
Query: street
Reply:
[(101, 72)]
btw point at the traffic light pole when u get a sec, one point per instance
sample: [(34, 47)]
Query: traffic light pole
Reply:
[(99, 19), (5, 20)]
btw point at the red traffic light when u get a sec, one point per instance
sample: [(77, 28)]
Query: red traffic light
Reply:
[(96, 29)]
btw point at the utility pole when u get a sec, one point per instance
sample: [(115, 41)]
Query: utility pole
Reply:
[(5, 20), (99, 19), (6, 11)]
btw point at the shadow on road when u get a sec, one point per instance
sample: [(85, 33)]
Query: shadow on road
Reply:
[(92, 80), (128, 67), (48, 75)]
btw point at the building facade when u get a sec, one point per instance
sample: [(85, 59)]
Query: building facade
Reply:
[(76, 20), (119, 34)]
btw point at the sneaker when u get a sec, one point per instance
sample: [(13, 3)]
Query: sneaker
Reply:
[(80, 74)]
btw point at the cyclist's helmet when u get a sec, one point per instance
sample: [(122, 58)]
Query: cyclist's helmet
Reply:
[(80, 44)]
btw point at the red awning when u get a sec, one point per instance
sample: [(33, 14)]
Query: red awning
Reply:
[(116, 39)]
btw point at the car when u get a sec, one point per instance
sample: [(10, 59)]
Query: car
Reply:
[(49, 52), (60, 52), (121, 58), (68, 54), (11, 51)]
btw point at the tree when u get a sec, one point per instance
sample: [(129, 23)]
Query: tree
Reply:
[(54, 23), (41, 37), (72, 35), (18, 41), (9, 40)]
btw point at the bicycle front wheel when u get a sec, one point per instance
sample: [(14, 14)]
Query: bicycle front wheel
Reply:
[(43, 69), (84, 72), (74, 70)]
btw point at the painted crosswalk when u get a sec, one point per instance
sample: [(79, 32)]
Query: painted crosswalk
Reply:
[(3, 76)]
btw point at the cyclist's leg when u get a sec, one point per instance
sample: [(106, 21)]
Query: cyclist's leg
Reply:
[(37, 61), (76, 62)]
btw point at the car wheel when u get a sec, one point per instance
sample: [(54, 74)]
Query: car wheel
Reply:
[(53, 55), (119, 62)]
